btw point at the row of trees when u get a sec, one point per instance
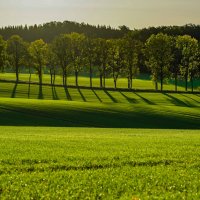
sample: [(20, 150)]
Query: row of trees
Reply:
[(165, 56)]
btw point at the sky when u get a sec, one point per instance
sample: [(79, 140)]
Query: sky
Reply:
[(132, 13)]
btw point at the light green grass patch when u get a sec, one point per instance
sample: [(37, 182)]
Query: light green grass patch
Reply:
[(88, 163)]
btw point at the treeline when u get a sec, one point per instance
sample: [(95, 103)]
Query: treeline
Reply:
[(48, 31), (176, 57)]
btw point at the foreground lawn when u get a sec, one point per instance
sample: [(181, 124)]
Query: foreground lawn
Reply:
[(89, 163)]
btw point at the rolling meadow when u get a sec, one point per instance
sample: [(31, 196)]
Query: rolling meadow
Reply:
[(80, 143)]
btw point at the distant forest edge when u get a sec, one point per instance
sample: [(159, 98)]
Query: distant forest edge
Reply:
[(48, 31), (68, 48)]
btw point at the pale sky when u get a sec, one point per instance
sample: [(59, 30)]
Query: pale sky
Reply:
[(132, 13)]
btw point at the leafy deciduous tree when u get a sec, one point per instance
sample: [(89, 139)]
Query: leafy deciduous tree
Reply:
[(78, 48), (16, 49), (61, 46), (101, 60), (116, 54), (132, 48), (51, 63), (189, 49), (159, 56), (91, 55), (3, 55), (38, 51)]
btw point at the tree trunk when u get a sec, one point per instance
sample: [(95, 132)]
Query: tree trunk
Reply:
[(29, 85), (40, 75), (104, 76), (186, 83), (65, 79), (40, 78), (76, 76), (131, 81), (17, 73), (115, 83), (131, 77), (51, 76), (128, 82), (176, 82), (192, 83), (54, 77), (90, 75), (156, 85), (161, 79), (17, 76), (101, 80), (29, 75)]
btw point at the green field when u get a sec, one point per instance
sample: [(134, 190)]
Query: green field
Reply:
[(59, 143), (88, 163)]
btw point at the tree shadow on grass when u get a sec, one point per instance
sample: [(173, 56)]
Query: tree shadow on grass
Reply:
[(97, 96), (14, 90), (177, 101), (24, 114), (82, 96), (114, 100), (190, 98), (54, 93), (145, 100), (40, 94), (130, 100), (69, 98)]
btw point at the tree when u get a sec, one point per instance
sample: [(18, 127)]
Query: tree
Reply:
[(27, 63), (38, 52), (176, 62), (78, 47), (91, 55), (194, 67), (101, 60), (16, 49), (51, 63), (189, 48), (61, 46), (3, 55), (132, 48), (159, 56), (116, 58)]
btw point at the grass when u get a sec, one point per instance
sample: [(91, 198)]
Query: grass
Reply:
[(173, 111), (122, 82), (96, 108), (89, 163), (59, 143)]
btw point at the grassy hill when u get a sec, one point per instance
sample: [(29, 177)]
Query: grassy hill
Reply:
[(96, 108), (76, 143)]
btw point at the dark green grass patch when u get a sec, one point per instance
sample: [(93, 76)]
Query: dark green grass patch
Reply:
[(24, 112)]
